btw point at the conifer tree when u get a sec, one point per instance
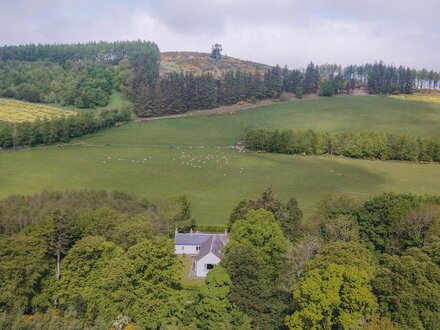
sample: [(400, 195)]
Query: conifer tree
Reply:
[(62, 237)]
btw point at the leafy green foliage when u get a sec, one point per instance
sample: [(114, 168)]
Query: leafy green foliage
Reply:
[(345, 254), (59, 129), (23, 267), (408, 290), (213, 309), (130, 277), (81, 268), (255, 260), (150, 272), (19, 211), (334, 290), (288, 215), (394, 222), (260, 230), (63, 236), (327, 88), (143, 282), (79, 85), (116, 227), (354, 145), (336, 296)]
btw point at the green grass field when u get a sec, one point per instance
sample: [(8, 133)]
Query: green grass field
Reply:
[(337, 114), (167, 158)]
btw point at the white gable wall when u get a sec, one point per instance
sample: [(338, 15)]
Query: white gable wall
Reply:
[(201, 269), (187, 249)]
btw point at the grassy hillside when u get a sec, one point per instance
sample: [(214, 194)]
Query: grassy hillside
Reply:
[(165, 158), (337, 114), (20, 111)]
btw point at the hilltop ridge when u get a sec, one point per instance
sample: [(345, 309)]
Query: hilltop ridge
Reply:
[(198, 63)]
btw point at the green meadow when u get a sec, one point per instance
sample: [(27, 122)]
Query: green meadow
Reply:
[(170, 157)]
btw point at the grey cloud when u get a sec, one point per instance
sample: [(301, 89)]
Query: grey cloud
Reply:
[(289, 32)]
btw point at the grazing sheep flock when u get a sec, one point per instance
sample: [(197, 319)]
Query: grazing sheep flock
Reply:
[(191, 159)]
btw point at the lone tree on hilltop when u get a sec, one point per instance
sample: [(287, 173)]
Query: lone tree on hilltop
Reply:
[(216, 51)]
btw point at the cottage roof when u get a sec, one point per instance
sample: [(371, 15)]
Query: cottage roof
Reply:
[(192, 239), (213, 245)]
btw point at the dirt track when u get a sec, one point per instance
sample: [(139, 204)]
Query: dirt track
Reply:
[(230, 109)]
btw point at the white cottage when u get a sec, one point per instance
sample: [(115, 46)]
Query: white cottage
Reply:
[(205, 247)]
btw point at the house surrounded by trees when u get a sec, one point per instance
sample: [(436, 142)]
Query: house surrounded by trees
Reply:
[(206, 248)]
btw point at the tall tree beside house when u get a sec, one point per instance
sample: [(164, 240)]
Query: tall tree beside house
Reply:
[(213, 309), (183, 219), (259, 239), (175, 212), (288, 215)]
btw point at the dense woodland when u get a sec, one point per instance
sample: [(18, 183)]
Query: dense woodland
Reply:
[(84, 75), (366, 145), (97, 259)]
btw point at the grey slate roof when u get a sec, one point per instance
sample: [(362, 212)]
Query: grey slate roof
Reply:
[(214, 245), (191, 239)]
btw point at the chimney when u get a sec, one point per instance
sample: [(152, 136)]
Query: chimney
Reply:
[(175, 231), (191, 231)]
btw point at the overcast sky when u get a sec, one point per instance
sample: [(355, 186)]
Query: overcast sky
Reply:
[(292, 32)]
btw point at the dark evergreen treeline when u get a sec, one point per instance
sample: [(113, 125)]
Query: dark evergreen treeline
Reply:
[(49, 131), (178, 93), (367, 145), (379, 78), (103, 51), (383, 79)]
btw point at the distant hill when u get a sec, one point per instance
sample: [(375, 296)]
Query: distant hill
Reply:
[(198, 63)]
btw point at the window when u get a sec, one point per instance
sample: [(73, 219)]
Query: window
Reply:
[(183, 248), (209, 266), (197, 248)]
